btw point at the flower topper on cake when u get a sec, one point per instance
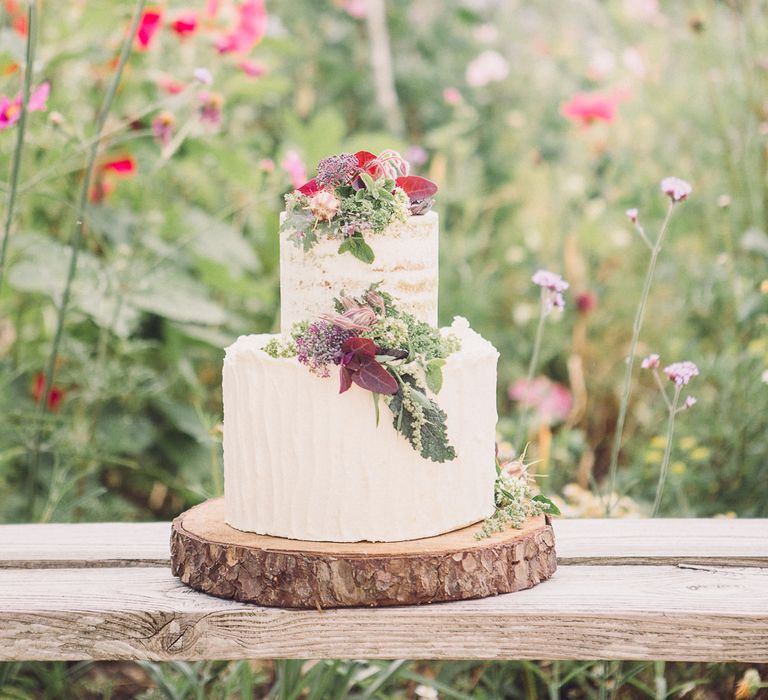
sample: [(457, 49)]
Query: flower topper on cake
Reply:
[(387, 352), (352, 196)]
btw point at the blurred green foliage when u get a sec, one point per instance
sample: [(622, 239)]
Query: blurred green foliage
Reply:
[(181, 257)]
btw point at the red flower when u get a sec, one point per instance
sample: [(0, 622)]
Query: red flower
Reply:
[(104, 184), (359, 365), (586, 109), (17, 16), (250, 28), (185, 24), (148, 26), (170, 85), (55, 393)]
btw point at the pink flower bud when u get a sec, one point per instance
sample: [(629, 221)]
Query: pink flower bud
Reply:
[(324, 206), (632, 215)]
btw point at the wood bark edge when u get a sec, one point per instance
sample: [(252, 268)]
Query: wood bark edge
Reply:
[(510, 561)]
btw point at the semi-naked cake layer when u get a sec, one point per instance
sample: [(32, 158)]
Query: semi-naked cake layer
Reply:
[(406, 263), (303, 461)]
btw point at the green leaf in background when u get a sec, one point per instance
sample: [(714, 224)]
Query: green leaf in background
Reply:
[(217, 240)]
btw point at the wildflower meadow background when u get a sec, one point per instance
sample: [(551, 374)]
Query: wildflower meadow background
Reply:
[(141, 188)]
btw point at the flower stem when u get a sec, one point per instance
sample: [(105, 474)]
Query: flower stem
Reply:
[(75, 243), (667, 452), (630, 361), (521, 421), (21, 129)]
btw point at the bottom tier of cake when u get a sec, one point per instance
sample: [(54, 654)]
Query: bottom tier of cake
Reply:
[(304, 462)]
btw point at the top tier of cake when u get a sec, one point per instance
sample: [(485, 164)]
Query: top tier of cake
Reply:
[(406, 265)]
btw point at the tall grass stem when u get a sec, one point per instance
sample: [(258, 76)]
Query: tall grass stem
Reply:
[(75, 243), (521, 421), (630, 361), (21, 128)]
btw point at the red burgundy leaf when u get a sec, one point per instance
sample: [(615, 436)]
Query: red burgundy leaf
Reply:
[(417, 188), (374, 377), (359, 346), (345, 379), (310, 187)]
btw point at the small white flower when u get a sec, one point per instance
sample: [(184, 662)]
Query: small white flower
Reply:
[(488, 67), (203, 75)]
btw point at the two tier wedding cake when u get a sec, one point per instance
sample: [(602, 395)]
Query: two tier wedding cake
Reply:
[(361, 420)]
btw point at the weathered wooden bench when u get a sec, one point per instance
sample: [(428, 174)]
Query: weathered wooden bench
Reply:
[(693, 590)]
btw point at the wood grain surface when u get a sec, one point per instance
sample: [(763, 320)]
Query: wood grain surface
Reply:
[(583, 612), (664, 541), (215, 558)]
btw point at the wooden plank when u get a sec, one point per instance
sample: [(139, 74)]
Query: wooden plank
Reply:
[(663, 541), (85, 544), (719, 542), (583, 612)]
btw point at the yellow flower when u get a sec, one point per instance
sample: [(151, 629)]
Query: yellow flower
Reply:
[(700, 454), (653, 457), (688, 443), (677, 468), (659, 442)]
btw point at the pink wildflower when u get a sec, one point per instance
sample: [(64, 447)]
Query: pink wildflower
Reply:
[(675, 188), (585, 109), (681, 372), (555, 284), (651, 362), (452, 96), (210, 108), (416, 155), (632, 215), (253, 69), (294, 166), (690, 402), (550, 400), (267, 165), (10, 110), (586, 302), (162, 127), (170, 85), (355, 8), (250, 28), (148, 26)]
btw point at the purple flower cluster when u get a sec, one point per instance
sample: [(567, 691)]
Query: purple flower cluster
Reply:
[(681, 372), (337, 170), (675, 188), (555, 285), (320, 346)]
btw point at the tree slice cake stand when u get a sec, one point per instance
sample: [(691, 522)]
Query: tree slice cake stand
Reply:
[(210, 556)]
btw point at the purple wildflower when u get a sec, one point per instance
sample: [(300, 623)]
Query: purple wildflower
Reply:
[(320, 346), (337, 170), (210, 108), (675, 188), (689, 402), (632, 215), (203, 75), (651, 362), (555, 285), (681, 372)]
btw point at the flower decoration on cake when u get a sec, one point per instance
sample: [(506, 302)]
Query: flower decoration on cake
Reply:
[(354, 196), (387, 352)]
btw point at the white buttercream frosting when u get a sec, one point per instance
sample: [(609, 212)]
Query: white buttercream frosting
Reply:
[(305, 462), (406, 262)]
